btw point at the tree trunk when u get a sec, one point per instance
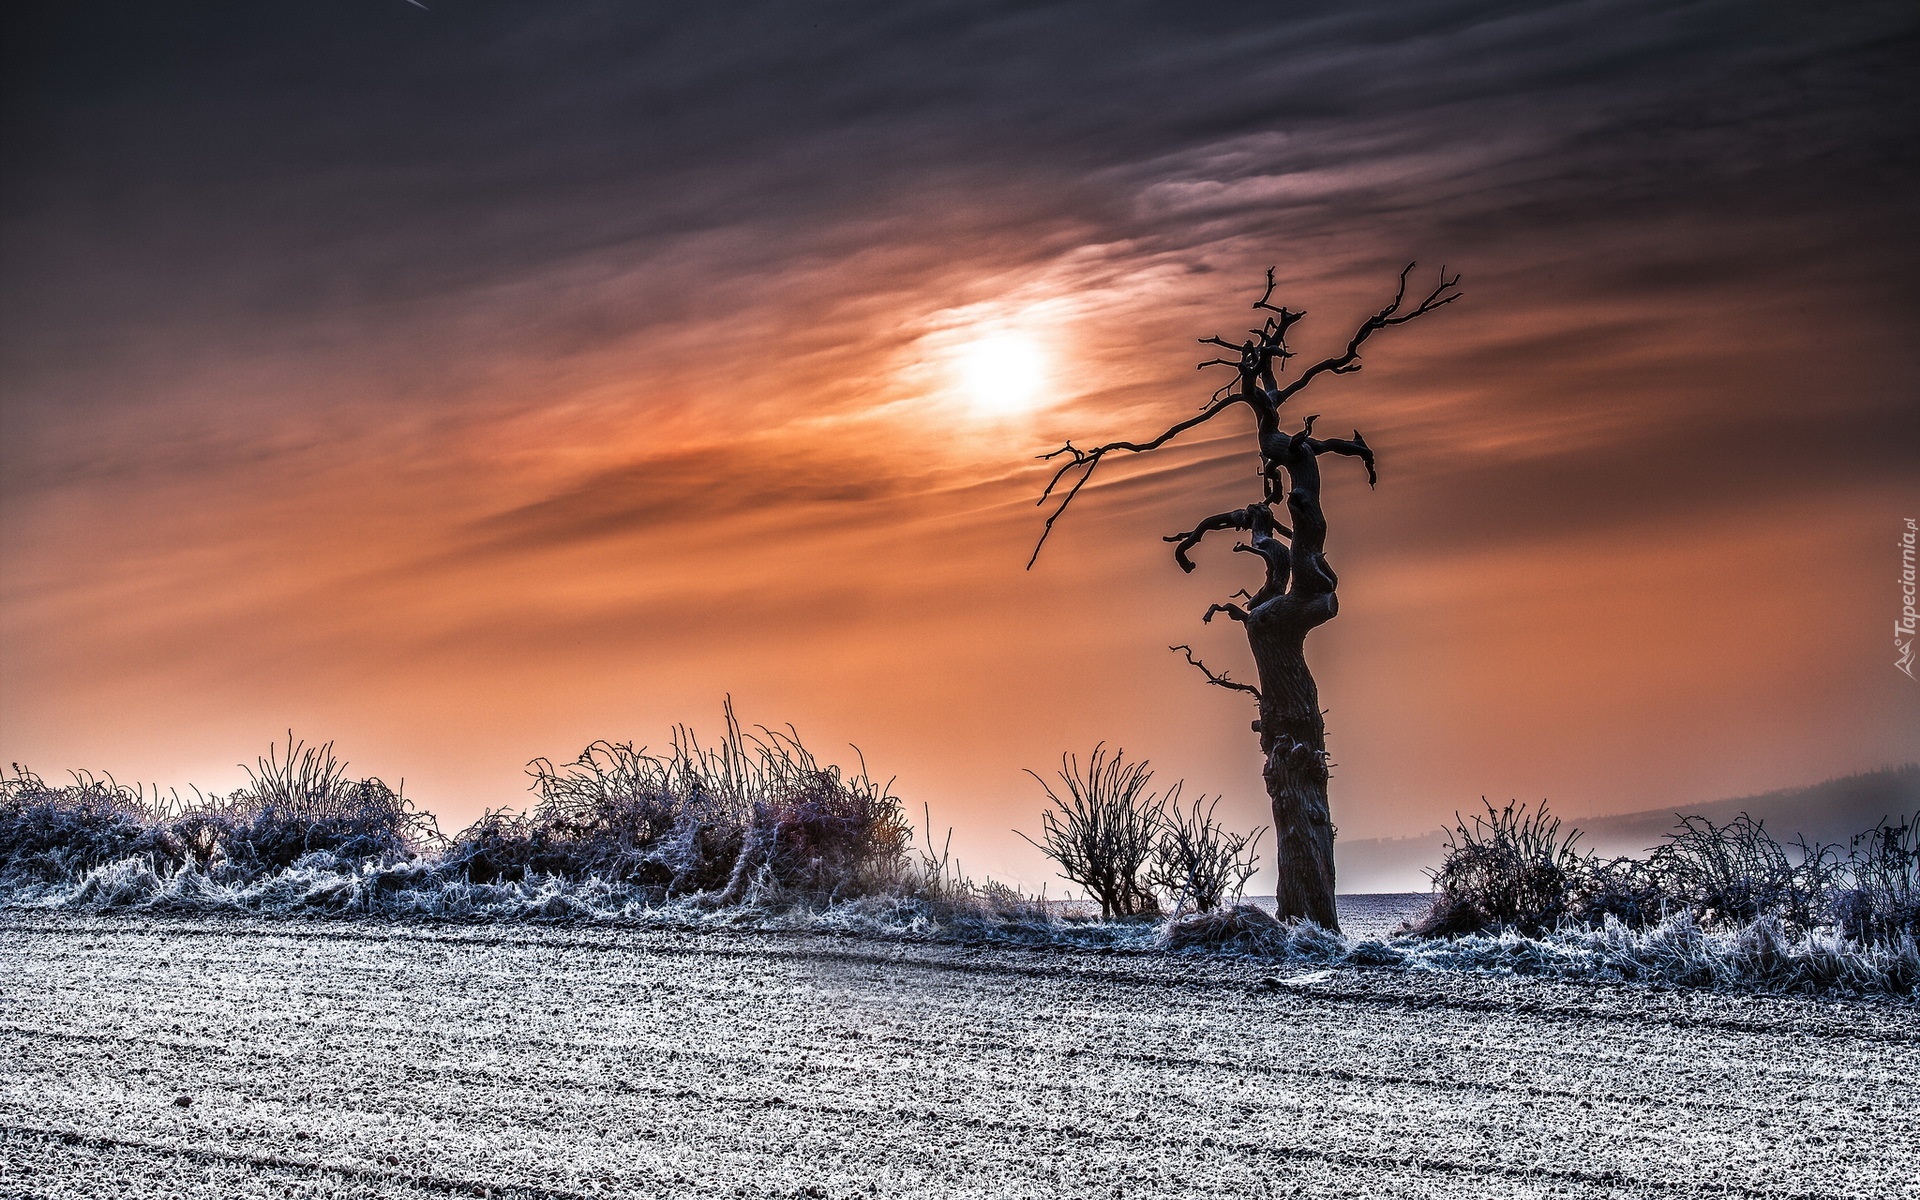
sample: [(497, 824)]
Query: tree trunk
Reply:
[(1297, 596), (1293, 740)]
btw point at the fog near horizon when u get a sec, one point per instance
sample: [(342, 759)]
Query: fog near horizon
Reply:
[(468, 385)]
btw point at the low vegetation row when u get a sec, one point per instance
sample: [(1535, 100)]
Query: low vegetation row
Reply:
[(757, 818), (757, 831)]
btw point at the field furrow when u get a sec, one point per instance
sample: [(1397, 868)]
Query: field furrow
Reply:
[(324, 1059)]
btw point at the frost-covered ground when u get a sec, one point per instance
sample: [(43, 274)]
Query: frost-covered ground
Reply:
[(1374, 915), (146, 1056)]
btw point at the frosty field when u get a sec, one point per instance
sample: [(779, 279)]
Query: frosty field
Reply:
[(158, 1057)]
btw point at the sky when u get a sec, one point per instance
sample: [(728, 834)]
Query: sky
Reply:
[(465, 384)]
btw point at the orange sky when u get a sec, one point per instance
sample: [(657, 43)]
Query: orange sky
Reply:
[(469, 476)]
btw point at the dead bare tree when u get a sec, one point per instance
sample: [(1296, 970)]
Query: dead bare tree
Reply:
[(1296, 595)]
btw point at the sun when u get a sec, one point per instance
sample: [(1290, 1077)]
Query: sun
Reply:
[(1002, 373)]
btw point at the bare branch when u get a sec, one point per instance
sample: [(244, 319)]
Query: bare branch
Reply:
[(1286, 316), (1234, 612), (1086, 461), (1268, 294), (1068, 499), (1346, 363), (1239, 518), (1277, 555), (1259, 390), (1439, 297), (1354, 447), (1221, 681), (1279, 560)]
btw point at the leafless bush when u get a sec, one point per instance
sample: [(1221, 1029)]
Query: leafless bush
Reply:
[(1514, 870), (1103, 830), (1197, 862), (1733, 874), (50, 832), (1509, 869), (1624, 889), (303, 803), (815, 830), (755, 816), (620, 814), (1878, 896)]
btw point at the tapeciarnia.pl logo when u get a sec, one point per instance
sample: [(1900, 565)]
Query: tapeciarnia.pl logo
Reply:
[(1904, 626)]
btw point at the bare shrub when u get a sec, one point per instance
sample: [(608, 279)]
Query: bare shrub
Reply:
[(1514, 870), (1734, 874), (837, 833), (1103, 830), (504, 846), (804, 830), (1197, 862), (1509, 869), (303, 803), (1623, 889), (619, 814), (53, 832), (1878, 896), (755, 817)]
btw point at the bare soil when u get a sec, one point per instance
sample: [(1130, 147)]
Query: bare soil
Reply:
[(146, 1056)]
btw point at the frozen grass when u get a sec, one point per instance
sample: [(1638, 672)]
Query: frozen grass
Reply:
[(1762, 956), (756, 818), (296, 804)]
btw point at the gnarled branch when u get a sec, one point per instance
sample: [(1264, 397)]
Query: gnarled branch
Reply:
[(1221, 681), (1260, 391), (1354, 447), (1239, 518), (1086, 461), (1443, 294)]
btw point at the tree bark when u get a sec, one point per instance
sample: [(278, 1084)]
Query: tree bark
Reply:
[(1293, 745)]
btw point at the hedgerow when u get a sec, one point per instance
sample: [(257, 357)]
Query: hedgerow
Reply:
[(1514, 870), (755, 832)]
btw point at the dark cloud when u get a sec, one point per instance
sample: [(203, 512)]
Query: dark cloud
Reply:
[(252, 164), (693, 488)]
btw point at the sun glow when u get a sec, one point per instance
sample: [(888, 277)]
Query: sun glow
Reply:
[(1002, 373)]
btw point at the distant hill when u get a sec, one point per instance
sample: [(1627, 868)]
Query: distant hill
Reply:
[(1832, 811), (1829, 812)]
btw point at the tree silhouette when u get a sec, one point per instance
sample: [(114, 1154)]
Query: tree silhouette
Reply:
[(1296, 595)]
